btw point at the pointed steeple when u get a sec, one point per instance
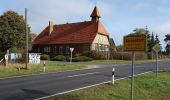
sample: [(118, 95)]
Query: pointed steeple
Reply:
[(95, 15)]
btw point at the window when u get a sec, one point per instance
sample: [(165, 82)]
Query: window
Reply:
[(39, 49), (86, 48), (106, 48), (67, 50), (60, 50), (47, 49), (100, 47), (55, 49), (96, 46)]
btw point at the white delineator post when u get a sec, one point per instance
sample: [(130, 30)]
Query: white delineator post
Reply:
[(113, 77)]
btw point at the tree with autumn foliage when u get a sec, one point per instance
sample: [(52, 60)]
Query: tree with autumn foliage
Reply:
[(12, 32)]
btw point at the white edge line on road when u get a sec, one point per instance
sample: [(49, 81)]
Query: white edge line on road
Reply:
[(83, 74), (89, 86)]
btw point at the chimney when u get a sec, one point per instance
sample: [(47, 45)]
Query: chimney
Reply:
[(50, 27)]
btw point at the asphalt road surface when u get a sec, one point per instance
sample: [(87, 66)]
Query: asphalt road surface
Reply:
[(37, 86)]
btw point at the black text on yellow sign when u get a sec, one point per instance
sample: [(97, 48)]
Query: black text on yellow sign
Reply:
[(135, 43)]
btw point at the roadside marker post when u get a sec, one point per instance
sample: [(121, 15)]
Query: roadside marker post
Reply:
[(113, 78), (6, 59), (132, 44), (44, 66), (71, 50), (157, 48)]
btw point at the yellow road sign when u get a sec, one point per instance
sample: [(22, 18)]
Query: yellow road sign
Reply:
[(156, 48), (6, 57), (135, 43)]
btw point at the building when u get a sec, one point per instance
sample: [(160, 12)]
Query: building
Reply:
[(82, 36)]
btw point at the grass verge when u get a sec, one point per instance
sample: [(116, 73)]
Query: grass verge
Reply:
[(147, 87), (12, 70), (119, 61)]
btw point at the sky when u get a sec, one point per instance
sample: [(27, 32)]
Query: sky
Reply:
[(120, 17)]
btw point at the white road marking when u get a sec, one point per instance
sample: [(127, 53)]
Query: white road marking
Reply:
[(83, 74), (89, 86)]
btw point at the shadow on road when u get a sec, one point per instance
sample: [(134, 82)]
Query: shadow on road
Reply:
[(27, 94)]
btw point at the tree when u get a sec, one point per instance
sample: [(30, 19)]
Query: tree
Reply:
[(151, 43), (12, 32), (33, 36), (119, 48), (157, 39), (167, 40), (142, 31)]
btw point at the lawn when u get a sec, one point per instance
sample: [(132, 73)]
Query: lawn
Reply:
[(12, 70), (119, 61), (147, 87)]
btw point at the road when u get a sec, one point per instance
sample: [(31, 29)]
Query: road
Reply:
[(37, 86)]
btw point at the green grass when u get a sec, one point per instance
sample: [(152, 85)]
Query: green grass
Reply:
[(12, 70), (147, 87), (119, 61)]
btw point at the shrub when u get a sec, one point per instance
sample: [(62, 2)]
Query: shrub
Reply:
[(45, 57), (128, 55), (82, 58), (98, 55), (59, 58), (52, 56), (67, 58)]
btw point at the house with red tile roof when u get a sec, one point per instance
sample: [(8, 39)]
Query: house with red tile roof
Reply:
[(82, 36)]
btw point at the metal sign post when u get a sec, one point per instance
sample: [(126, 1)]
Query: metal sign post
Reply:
[(156, 48), (132, 76), (132, 44), (156, 64), (71, 50)]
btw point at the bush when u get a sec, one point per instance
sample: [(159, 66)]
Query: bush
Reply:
[(98, 55), (128, 55), (67, 58), (45, 57), (82, 58), (59, 58)]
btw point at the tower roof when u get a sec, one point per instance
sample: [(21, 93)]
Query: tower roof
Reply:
[(95, 13)]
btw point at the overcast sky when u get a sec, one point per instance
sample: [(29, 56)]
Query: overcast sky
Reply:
[(119, 17)]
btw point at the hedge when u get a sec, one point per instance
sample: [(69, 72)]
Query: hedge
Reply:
[(81, 58), (59, 58)]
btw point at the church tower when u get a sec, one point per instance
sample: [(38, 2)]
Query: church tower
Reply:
[(95, 15)]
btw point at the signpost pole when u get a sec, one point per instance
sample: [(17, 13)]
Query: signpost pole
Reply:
[(132, 76), (156, 64), (71, 50), (157, 48), (71, 58), (134, 43)]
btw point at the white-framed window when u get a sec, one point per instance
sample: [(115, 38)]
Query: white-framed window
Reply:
[(99, 47), (96, 46)]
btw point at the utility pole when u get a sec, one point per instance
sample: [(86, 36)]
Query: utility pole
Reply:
[(26, 42)]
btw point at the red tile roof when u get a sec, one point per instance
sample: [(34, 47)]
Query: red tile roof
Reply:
[(82, 32)]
